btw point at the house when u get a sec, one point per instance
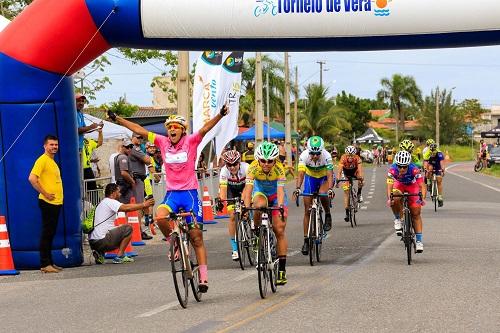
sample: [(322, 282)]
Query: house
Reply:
[(384, 121)]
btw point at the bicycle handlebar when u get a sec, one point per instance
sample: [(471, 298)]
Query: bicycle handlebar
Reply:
[(419, 194), (311, 195)]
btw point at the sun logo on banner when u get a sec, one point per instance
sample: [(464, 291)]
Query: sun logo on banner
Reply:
[(382, 7)]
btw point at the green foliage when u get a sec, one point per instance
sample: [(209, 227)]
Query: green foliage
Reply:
[(459, 153), (87, 86), (402, 94), (320, 116), (358, 114), (493, 171), (11, 8), (122, 107)]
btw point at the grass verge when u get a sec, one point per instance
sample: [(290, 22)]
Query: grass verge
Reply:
[(493, 171)]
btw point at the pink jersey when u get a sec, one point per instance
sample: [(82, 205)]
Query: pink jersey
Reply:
[(179, 160)]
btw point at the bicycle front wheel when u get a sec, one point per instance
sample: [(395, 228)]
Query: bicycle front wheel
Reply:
[(352, 209), (312, 233), (240, 240), (407, 234), (319, 239), (262, 259), (179, 273), (435, 194)]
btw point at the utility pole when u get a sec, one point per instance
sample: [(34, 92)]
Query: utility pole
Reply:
[(288, 125), (321, 63), (437, 116), (296, 92), (183, 86), (268, 114), (259, 110)]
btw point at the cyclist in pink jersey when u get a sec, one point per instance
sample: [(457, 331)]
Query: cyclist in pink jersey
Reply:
[(179, 152)]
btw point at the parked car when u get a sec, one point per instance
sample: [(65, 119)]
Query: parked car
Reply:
[(494, 156), (367, 156)]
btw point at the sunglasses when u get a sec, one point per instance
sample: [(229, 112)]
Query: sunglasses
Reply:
[(314, 154), (232, 164), (266, 161), (174, 126), (402, 167)]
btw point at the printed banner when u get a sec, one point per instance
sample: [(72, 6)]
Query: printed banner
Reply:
[(230, 91)]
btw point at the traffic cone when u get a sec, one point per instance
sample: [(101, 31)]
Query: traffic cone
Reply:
[(129, 250), (133, 220), (208, 214), (6, 262), (447, 157)]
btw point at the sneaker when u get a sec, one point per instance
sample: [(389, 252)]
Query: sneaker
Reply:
[(440, 201), (305, 248), (203, 286), (346, 218), (122, 260), (99, 257), (419, 247), (281, 280), (398, 226), (360, 198), (235, 256), (145, 236), (328, 223)]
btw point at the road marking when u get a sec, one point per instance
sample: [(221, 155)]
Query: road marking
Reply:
[(244, 276), (367, 202), (364, 207), (294, 253), (471, 180), (370, 196), (370, 192), (158, 310)]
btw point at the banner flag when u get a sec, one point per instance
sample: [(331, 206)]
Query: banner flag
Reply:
[(230, 91), (206, 92)]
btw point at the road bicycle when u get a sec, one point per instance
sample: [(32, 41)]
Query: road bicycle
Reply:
[(408, 236), (352, 200), (245, 237), (267, 258), (315, 232), (434, 191), (185, 270)]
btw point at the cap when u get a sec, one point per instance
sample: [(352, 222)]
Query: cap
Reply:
[(78, 96), (250, 145), (149, 144), (127, 142)]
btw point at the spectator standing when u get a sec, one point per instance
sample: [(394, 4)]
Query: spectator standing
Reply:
[(45, 177), (89, 146), (139, 162), (123, 175), (106, 236), (248, 155), (201, 168), (94, 164), (111, 161), (82, 127)]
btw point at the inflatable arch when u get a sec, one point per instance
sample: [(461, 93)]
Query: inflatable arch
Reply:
[(52, 39)]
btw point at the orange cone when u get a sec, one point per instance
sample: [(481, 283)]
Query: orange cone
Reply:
[(6, 262), (129, 251), (208, 214), (133, 220)]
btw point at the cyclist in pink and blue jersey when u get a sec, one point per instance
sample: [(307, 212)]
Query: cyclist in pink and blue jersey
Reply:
[(179, 152)]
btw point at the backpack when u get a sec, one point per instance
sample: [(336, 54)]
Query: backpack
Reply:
[(88, 222)]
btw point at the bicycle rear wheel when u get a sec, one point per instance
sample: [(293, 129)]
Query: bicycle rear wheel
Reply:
[(240, 240), (478, 167), (250, 243), (312, 233), (179, 273), (262, 257), (273, 270)]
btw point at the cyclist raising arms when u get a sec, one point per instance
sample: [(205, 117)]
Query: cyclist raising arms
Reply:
[(316, 168), (404, 176), (434, 161), (350, 166), (179, 157), (231, 185), (265, 187)]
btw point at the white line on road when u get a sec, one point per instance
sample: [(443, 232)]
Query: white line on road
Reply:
[(364, 207), (367, 202), (370, 196), (293, 253), (370, 192), (244, 276), (158, 310), (467, 178)]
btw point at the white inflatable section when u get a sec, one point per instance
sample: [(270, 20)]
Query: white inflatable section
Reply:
[(3, 22), (326, 18)]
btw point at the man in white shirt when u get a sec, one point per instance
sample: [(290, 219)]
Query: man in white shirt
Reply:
[(106, 236)]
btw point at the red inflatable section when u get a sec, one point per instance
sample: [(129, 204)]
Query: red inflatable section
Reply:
[(50, 34)]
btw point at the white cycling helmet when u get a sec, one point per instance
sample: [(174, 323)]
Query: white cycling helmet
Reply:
[(402, 158), (176, 119), (351, 150)]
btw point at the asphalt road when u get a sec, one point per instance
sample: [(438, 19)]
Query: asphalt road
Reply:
[(362, 285)]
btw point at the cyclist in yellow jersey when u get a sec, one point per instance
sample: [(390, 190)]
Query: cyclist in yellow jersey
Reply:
[(265, 187)]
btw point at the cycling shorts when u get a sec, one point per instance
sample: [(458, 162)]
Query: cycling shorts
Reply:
[(349, 173), (400, 188), (312, 184), (185, 199), (431, 167), (272, 201), (233, 192)]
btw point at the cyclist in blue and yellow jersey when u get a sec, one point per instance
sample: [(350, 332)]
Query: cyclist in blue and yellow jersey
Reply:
[(316, 173), (265, 187), (231, 184), (408, 146), (404, 176), (434, 161)]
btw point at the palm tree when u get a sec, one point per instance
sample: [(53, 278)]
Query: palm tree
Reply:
[(320, 116), (401, 92), (275, 70)]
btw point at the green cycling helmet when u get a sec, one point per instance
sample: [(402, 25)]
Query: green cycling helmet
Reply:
[(406, 145), (315, 144), (267, 151), (429, 142)]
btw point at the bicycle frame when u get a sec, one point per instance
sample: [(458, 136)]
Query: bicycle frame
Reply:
[(408, 231), (352, 200)]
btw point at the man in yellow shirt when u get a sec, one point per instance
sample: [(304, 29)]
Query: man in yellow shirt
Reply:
[(45, 177)]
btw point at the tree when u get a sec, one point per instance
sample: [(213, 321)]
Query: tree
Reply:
[(11, 8), (320, 116), (275, 69), (401, 92), (358, 111), (121, 107)]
